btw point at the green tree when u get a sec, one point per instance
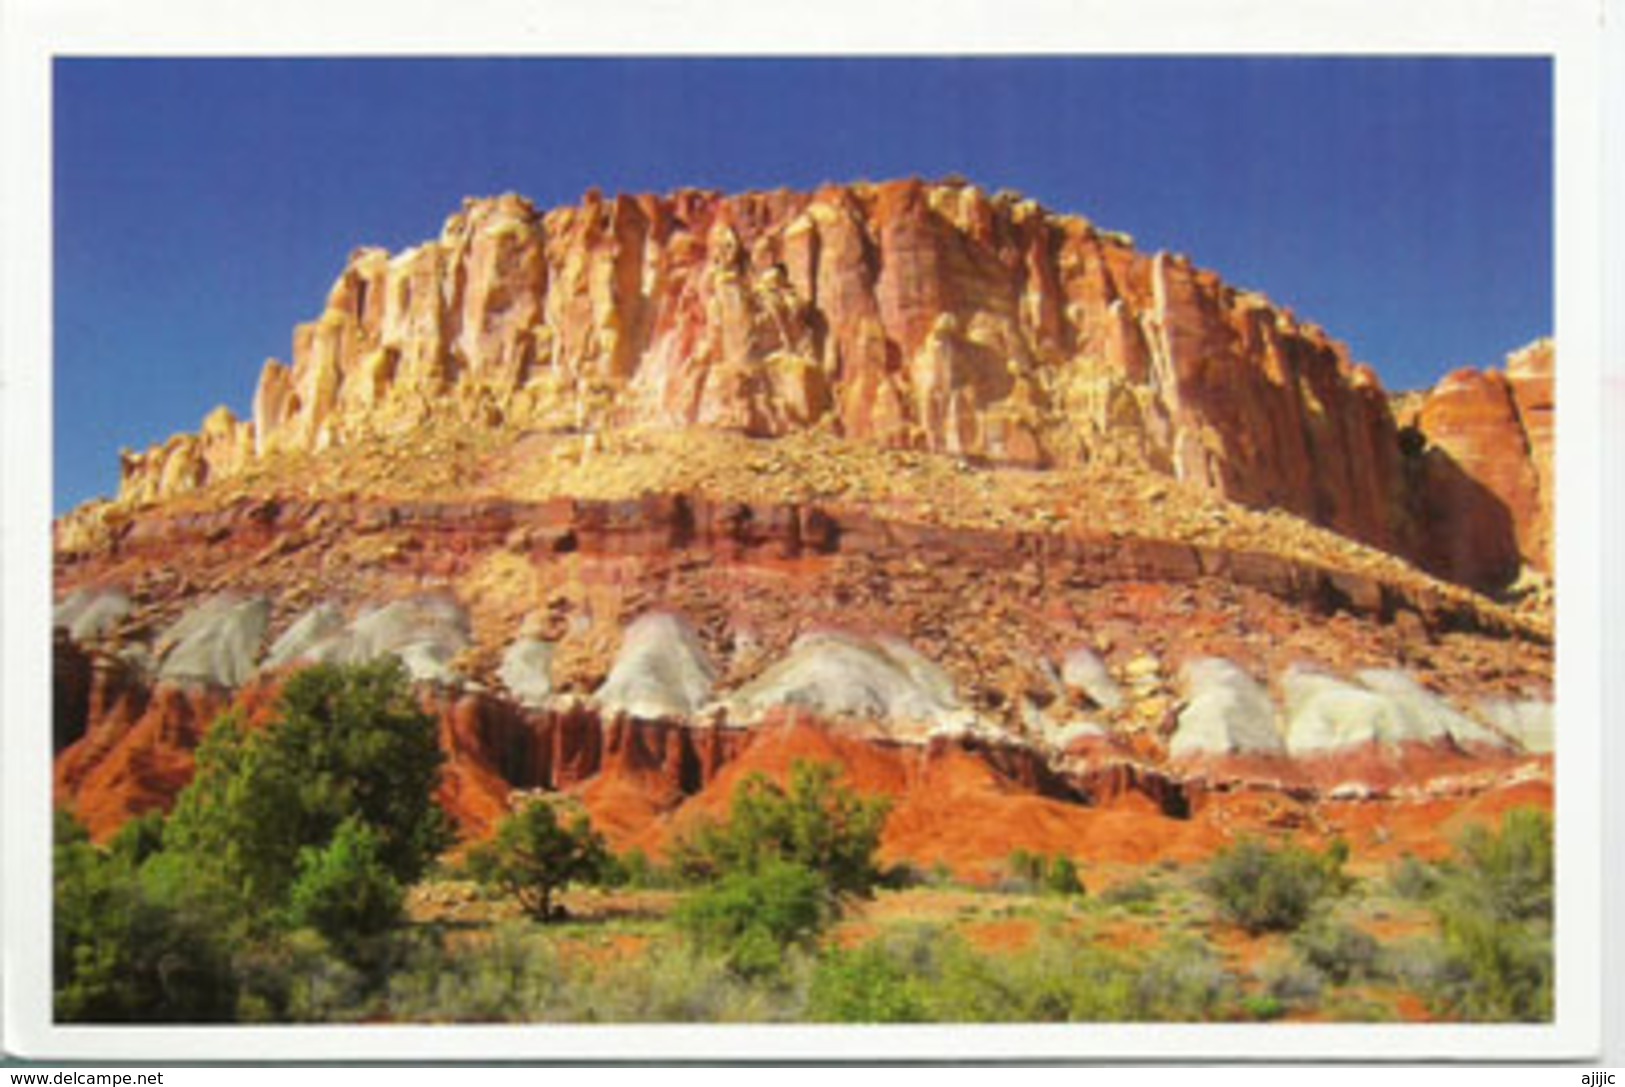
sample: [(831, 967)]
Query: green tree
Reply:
[(345, 891), (533, 855), (121, 952), (816, 823), (348, 742)]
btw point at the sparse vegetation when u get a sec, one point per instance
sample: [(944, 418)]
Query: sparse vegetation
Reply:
[(754, 923)]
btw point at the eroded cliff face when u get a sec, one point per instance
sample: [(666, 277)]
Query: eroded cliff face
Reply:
[(1486, 508), (910, 315)]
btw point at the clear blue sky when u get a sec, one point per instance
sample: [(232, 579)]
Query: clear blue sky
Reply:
[(204, 207)]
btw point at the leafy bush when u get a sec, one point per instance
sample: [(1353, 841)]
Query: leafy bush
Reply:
[(533, 855), (1273, 890), (750, 917), (816, 824), (1263, 1007)]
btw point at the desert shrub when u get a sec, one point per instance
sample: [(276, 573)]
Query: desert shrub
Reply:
[(1060, 979), (1182, 981), (1136, 895), (506, 975), (1412, 879), (344, 891), (1263, 1007), (1035, 873), (1340, 951), (634, 869), (751, 916), (1273, 890), (816, 824), (348, 742), (533, 855), (298, 977), (1493, 907), (931, 974), (668, 984), (867, 985), (1291, 981), (1507, 874), (1062, 878), (904, 875)]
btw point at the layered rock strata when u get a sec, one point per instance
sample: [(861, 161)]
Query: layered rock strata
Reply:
[(911, 315)]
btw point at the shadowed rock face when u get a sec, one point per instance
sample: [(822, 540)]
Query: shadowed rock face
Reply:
[(1487, 486)]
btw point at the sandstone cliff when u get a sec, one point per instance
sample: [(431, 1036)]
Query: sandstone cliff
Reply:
[(925, 316)]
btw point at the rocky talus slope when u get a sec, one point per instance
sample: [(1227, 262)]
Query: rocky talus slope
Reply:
[(1061, 545)]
